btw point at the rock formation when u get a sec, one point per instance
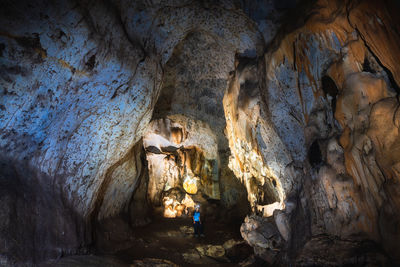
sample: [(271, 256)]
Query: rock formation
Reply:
[(111, 108), (314, 122)]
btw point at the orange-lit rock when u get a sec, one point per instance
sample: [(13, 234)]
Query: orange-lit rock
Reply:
[(326, 110), (190, 185), (184, 165), (188, 202)]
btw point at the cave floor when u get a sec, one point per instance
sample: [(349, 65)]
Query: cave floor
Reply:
[(166, 241), (172, 239)]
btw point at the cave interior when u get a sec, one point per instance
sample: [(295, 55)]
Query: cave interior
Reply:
[(280, 119)]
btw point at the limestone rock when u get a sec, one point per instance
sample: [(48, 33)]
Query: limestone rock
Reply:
[(231, 243), (190, 185), (239, 252), (192, 165), (242, 111), (191, 256), (188, 202), (71, 113), (309, 125), (150, 262), (282, 223), (86, 260), (187, 230), (263, 235), (214, 251), (340, 252)]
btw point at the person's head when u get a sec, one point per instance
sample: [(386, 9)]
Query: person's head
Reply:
[(197, 207)]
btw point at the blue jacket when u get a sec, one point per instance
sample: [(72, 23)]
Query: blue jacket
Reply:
[(196, 216)]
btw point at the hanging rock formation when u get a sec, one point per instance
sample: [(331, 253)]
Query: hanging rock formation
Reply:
[(110, 107), (183, 162)]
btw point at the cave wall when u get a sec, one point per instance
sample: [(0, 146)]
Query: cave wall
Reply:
[(76, 96), (316, 111), (79, 81)]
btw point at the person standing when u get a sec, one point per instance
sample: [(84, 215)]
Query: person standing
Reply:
[(197, 224)]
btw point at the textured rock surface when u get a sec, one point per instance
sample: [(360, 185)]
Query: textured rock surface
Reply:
[(79, 83), (87, 260), (314, 121), (182, 154), (94, 261), (196, 77), (71, 113), (150, 262), (297, 107)]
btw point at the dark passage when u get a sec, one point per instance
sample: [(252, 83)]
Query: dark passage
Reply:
[(329, 88), (314, 155)]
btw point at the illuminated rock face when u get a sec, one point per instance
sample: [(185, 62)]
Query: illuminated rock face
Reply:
[(245, 127), (182, 154), (194, 83), (323, 118), (304, 119)]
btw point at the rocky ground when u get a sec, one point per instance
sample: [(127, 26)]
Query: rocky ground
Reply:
[(171, 242)]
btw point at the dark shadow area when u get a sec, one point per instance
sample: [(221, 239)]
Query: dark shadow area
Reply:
[(173, 239), (366, 66), (35, 222), (314, 155), (267, 193), (329, 87)]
